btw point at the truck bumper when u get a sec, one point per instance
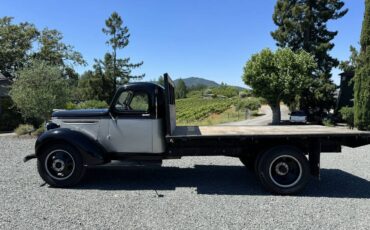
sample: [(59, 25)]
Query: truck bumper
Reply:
[(29, 157)]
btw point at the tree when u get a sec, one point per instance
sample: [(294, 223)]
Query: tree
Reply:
[(97, 84), (15, 42), (120, 68), (302, 24), (55, 52), (278, 77), (180, 89), (38, 89), (362, 76), (350, 65), (89, 87)]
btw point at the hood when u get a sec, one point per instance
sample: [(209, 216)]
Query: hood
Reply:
[(80, 113)]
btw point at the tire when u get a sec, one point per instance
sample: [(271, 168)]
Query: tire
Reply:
[(60, 165), (283, 170), (248, 162)]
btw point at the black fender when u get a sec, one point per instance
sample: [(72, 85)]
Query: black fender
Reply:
[(92, 152)]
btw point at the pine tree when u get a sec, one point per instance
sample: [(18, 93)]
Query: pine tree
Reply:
[(362, 77), (302, 24), (119, 39)]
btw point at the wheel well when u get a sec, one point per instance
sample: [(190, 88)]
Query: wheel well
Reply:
[(258, 151), (54, 142), (262, 148)]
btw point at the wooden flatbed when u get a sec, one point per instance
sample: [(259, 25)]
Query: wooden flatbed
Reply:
[(186, 131), (276, 153)]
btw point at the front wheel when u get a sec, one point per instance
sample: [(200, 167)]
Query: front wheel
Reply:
[(60, 165), (283, 170)]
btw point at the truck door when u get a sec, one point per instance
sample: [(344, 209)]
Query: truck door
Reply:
[(131, 129)]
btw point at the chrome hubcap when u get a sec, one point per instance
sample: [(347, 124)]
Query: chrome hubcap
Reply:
[(285, 171), (59, 164), (282, 168)]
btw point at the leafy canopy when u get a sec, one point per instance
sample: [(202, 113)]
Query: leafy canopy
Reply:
[(55, 52), (16, 43), (279, 76), (38, 89)]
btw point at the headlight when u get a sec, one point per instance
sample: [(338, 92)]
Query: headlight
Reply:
[(51, 125)]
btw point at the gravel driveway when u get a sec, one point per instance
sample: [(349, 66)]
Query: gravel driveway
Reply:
[(194, 192)]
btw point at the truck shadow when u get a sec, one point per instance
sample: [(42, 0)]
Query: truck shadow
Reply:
[(220, 180)]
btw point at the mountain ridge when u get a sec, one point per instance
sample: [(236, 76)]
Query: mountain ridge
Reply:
[(197, 81)]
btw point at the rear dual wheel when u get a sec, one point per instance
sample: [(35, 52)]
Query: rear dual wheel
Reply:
[(283, 170)]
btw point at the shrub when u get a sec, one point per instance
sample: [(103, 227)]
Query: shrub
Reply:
[(328, 122), (39, 89), (91, 104), (24, 129), (39, 131), (194, 94), (347, 114), (224, 90), (245, 94), (250, 103)]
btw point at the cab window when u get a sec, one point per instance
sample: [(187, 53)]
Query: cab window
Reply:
[(140, 102), (130, 101)]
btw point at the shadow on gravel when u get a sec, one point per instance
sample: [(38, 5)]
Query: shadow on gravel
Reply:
[(211, 179)]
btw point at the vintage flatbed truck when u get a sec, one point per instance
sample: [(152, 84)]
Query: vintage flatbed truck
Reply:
[(140, 127)]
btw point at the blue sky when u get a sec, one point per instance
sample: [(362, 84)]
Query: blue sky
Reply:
[(211, 39)]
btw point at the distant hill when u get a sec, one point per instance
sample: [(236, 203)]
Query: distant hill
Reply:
[(196, 81)]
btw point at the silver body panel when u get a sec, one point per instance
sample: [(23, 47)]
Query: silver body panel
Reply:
[(127, 135), (90, 127)]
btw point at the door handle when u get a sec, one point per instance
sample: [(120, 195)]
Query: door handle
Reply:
[(145, 115)]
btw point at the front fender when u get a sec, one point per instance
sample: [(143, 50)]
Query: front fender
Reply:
[(92, 152)]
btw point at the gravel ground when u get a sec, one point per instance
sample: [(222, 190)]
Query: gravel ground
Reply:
[(193, 192)]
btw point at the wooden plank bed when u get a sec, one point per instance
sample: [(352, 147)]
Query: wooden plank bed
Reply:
[(279, 130)]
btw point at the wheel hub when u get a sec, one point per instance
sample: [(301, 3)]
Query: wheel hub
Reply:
[(58, 165), (282, 168), (285, 171)]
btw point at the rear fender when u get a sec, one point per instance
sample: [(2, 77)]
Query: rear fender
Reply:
[(92, 152)]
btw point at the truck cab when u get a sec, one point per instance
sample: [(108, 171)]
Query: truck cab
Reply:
[(134, 122)]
